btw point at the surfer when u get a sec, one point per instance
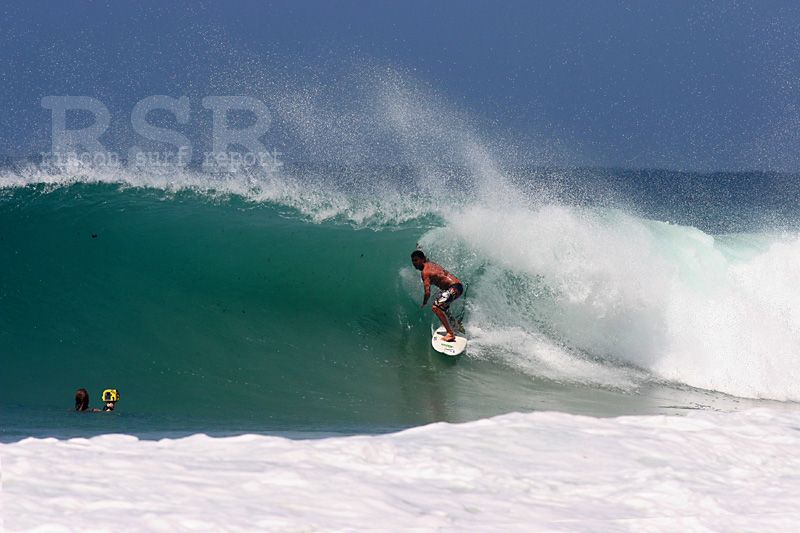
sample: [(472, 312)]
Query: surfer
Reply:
[(451, 288)]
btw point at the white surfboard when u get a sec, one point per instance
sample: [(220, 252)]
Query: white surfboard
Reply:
[(453, 348)]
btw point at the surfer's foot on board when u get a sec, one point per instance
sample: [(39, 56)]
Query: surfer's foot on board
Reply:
[(449, 337)]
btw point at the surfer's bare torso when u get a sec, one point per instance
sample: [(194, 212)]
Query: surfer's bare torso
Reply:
[(434, 274)]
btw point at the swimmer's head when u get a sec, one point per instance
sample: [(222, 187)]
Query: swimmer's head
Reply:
[(81, 400)]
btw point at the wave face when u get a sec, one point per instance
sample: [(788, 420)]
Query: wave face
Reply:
[(292, 298)]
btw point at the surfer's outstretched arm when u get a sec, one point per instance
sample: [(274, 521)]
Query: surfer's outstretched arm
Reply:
[(427, 281)]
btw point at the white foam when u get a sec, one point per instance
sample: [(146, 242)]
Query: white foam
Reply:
[(591, 285), (517, 472)]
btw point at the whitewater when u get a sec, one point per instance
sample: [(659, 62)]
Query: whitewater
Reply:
[(516, 472)]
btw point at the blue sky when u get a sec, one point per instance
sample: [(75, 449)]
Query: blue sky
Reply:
[(682, 85)]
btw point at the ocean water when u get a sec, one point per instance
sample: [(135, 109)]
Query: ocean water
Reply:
[(263, 310), (288, 302)]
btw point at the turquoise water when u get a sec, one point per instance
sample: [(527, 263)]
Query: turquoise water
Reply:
[(299, 312)]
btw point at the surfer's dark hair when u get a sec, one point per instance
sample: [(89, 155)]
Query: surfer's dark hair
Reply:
[(417, 253)]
